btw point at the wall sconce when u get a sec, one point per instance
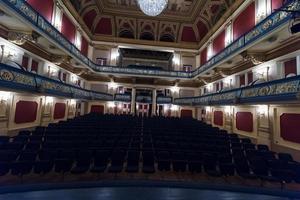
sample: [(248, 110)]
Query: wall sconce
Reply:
[(166, 108), (262, 110), (48, 100), (174, 89), (115, 55), (73, 102), (111, 104), (112, 85), (174, 107), (208, 109), (176, 60), (227, 110), (120, 106), (4, 96)]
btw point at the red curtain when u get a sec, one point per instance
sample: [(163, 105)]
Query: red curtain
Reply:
[(44, 7), (244, 121), (244, 22), (218, 118), (219, 43), (250, 77), (26, 111), (97, 109), (290, 67), (203, 56), (84, 46), (242, 79), (34, 66), (68, 29), (290, 126), (59, 110), (25, 61)]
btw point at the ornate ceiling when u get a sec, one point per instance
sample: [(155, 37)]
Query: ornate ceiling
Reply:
[(182, 21)]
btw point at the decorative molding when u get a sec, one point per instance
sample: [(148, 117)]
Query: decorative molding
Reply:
[(20, 80), (19, 38), (286, 89), (255, 58)]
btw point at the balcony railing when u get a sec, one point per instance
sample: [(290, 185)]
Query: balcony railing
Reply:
[(16, 79), (143, 99), (123, 97), (272, 22), (163, 100), (286, 89)]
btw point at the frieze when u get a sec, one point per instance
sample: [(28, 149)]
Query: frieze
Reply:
[(272, 21), (272, 89)]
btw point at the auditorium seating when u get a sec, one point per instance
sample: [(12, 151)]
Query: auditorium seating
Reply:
[(122, 143)]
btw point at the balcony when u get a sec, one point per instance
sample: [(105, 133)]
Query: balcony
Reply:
[(163, 100), (22, 81), (272, 22), (123, 97), (286, 89)]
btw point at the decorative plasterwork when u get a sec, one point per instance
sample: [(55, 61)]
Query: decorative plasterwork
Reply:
[(19, 38), (255, 58)]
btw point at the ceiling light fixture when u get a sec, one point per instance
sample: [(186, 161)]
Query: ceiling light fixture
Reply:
[(152, 7)]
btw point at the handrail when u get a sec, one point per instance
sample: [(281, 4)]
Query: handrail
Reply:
[(20, 80), (164, 100), (268, 24), (285, 89), (122, 97)]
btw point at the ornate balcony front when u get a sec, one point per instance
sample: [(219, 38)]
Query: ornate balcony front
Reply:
[(272, 22), (286, 89), (22, 81)]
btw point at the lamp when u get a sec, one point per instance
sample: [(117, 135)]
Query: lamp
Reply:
[(152, 7)]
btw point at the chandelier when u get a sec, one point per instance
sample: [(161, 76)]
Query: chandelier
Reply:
[(152, 7)]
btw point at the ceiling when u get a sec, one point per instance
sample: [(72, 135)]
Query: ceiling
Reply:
[(187, 21)]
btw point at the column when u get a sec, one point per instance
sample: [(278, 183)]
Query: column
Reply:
[(154, 102), (298, 64), (91, 52), (133, 93)]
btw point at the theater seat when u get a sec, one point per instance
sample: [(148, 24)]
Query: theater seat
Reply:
[(148, 162)]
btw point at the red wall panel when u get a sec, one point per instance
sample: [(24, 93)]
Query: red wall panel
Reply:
[(68, 29), (202, 29), (44, 7), (188, 34), (218, 118), (290, 126), (244, 121), (250, 77), (219, 43), (26, 111), (25, 61), (59, 110), (89, 18), (203, 56), (104, 26), (290, 67), (186, 113), (84, 46), (244, 22), (276, 4), (242, 79), (34, 66), (97, 109)]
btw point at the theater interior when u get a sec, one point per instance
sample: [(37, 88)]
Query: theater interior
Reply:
[(149, 99)]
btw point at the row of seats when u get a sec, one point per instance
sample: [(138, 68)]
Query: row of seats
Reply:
[(100, 143)]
